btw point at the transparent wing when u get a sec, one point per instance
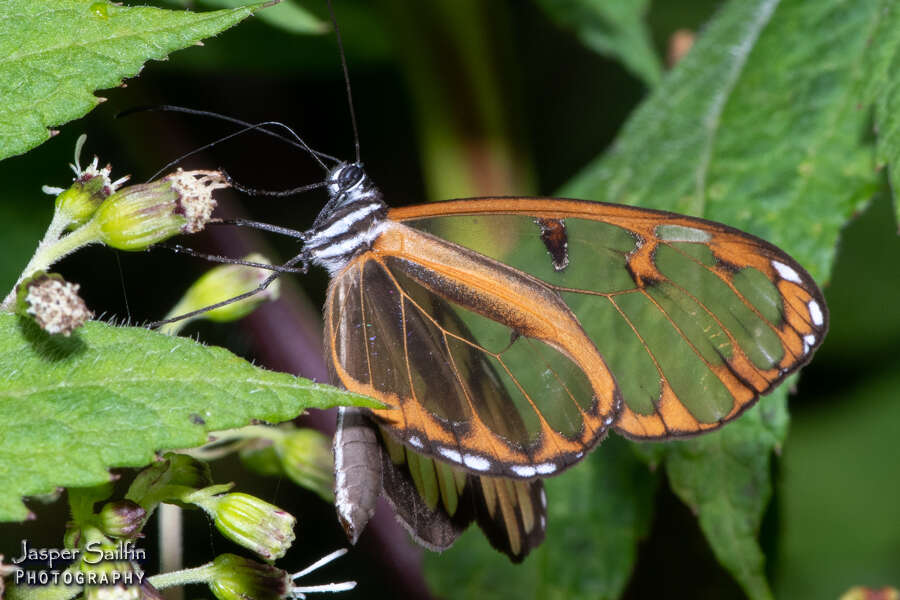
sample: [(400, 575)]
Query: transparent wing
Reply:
[(694, 319)]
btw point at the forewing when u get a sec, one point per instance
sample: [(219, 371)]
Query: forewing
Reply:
[(695, 319)]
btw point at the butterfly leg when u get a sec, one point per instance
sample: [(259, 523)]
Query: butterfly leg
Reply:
[(301, 258), (262, 226), (179, 249)]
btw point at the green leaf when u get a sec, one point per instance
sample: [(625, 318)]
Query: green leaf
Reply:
[(755, 129), (57, 54), (763, 130), (613, 28), (724, 478), (71, 408), (597, 513), (884, 90)]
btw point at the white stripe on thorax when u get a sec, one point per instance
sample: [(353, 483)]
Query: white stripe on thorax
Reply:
[(350, 244), (344, 224)]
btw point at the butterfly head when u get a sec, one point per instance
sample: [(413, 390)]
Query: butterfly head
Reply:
[(348, 180)]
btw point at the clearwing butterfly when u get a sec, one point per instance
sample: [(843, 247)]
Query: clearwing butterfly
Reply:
[(506, 336)]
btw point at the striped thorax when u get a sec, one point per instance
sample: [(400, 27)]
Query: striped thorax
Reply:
[(351, 220)]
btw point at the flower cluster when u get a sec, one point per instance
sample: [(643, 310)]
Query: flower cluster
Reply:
[(94, 209)]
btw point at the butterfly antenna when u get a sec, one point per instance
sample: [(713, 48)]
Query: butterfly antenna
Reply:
[(337, 33), (258, 192), (215, 142), (294, 139)]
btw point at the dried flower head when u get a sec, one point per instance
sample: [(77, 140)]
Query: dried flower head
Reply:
[(54, 303), (195, 202)]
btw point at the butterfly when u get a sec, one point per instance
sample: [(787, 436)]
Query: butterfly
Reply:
[(506, 337)]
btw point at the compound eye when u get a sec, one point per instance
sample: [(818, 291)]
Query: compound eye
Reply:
[(350, 176)]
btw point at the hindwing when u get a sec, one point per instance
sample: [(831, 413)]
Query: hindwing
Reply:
[(525, 396)]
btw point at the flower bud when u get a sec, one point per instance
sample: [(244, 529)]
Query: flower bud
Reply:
[(90, 188), (249, 521), (80, 201), (140, 215), (53, 302), (121, 519), (222, 283), (238, 578), (307, 459)]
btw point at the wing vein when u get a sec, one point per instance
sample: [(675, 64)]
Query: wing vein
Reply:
[(365, 327), (649, 352)]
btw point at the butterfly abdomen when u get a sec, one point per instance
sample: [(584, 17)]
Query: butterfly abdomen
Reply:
[(357, 460)]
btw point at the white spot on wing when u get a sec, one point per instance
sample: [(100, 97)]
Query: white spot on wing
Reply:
[(815, 313), (523, 470), (545, 468), (450, 454), (787, 273), (680, 233), (808, 341), (415, 441), (543, 498), (479, 463), (543, 522)]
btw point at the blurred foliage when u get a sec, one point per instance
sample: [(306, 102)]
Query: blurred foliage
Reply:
[(591, 542), (788, 154), (613, 28), (288, 14)]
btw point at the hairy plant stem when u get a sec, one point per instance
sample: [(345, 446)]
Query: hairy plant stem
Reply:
[(53, 247), (201, 574)]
